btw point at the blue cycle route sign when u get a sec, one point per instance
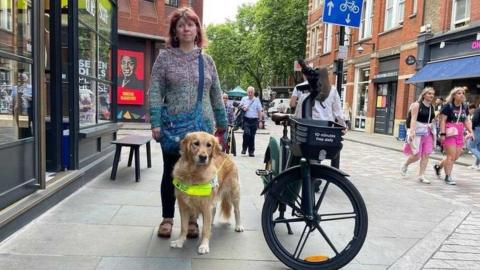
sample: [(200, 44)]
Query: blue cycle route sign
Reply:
[(343, 12)]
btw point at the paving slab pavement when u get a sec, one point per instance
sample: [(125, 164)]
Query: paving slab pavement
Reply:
[(112, 224)]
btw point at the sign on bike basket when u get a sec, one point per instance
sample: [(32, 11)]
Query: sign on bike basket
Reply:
[(343, 12), (310, 137)]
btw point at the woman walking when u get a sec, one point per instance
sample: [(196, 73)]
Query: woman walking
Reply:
[(474, 144), (421, 133), (177, 89), (453, 120)]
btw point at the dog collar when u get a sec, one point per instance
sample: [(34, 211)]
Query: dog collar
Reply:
[(196, 189)]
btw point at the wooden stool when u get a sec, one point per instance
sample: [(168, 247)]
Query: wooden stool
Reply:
[(134, 142)]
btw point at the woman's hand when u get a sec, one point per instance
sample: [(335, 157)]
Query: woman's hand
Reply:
[(156, 133), (470, 136)]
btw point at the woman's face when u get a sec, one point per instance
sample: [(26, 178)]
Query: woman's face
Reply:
[(428, 96), (459, 96), (128, 66), (186, 31)]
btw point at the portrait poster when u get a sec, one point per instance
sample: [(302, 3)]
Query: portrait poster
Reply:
[(131, 77)]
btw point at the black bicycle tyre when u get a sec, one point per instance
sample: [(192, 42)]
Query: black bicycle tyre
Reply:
[(353, 195)]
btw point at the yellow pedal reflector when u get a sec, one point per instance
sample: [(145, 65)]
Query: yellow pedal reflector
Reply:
[(316, 258)]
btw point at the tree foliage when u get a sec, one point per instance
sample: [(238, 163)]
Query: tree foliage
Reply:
[(261, 43)]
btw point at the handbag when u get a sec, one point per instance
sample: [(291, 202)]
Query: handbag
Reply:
[(453, 131), (174, 127), (239, 115), (422, 129)]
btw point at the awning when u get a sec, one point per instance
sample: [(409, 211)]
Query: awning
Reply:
[(452, 69)]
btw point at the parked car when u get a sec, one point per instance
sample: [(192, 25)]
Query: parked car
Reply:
[(278, 105)]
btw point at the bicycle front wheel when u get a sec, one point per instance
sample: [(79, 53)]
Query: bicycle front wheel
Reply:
[(328, 240)]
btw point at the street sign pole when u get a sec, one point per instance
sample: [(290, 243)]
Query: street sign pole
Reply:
[(341, 39)]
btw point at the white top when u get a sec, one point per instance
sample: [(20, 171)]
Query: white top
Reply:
[(254, 109), (333, 108), (297, 93)]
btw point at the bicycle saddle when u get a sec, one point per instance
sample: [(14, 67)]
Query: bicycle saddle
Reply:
[(279, 117)]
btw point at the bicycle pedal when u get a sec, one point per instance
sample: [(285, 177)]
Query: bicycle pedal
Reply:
[(262, 172)]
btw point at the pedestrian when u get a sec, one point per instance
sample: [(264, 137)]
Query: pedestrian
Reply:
[(453, 120), (474, 143), (347, 112), (421, 133), (329, 109), (298, 90), (253, 113), (230, 110), (176, 89)]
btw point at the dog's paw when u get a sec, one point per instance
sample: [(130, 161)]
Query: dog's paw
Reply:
[(203, 249), (239, 228), (177, 243)]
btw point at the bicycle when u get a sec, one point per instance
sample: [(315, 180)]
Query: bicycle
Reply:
[(292, 169), (350, 5)]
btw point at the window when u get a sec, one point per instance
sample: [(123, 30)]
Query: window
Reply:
[(317, 4), (6, 15), (414, 7), (460, 13), (95, 75), (394, 10), (361, 97), (327, 37), (173, 3), (366, 20), (313, 42)]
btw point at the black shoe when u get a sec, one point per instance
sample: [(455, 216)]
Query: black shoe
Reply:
[(244, 152), (251, 154), (437, 169)]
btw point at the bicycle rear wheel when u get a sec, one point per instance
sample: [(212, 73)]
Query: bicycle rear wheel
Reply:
[(329, 240)]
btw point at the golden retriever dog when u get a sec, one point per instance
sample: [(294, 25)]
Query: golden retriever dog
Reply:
[(201, 162)]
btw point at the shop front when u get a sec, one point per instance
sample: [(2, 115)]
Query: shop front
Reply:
[(385, 83), (56, 81), (450, 59), (360, 97)]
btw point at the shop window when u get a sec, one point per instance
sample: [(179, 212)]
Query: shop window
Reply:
[(173, 3), (16, 15), (327, 37), (394, 11), (87, 12), (460, 13), (87, 96), (16, 101), (366, 20), (105, 15), (361, 98)]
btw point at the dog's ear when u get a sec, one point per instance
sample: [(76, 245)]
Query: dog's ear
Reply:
[(184, 145), (217, 148)]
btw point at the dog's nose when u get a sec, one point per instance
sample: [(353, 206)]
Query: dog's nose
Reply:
[(202, 158)]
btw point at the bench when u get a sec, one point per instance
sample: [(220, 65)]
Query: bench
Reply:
[(134, 142)]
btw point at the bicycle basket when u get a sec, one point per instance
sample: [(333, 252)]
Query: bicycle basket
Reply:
[(315, 139)]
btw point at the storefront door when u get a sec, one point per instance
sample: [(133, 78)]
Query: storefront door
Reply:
[(385, 107)]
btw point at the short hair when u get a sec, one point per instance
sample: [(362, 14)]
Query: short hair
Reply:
[(132, 58), (188, 14)]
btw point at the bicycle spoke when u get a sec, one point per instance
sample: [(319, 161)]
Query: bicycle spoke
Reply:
[(351, 215), (320, 200), (290, 220), (300, 244), (298, 199), (326, 238)]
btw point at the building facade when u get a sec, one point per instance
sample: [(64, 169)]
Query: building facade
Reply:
[(143, 31), (449, 48), (381, 54), (56, 109)]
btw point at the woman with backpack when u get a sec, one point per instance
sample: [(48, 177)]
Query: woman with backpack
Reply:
[(453, 120), (421, 133)]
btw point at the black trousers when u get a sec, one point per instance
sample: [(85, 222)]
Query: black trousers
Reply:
[(232, 145), (249, 130), (167, 190)]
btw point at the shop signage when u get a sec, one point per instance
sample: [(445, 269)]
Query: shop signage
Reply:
[(410, 60), (130, 77), (476, 45), (102, 13), (386, 75), (130, 96)]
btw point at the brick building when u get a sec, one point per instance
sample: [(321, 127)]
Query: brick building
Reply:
[(395, 39), (143, 30)]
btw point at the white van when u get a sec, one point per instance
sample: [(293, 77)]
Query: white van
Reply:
[(277, 105)]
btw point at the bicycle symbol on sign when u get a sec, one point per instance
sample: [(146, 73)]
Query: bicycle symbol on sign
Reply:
[(350, 5)]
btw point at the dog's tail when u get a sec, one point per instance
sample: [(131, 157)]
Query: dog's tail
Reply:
[(226, 207)]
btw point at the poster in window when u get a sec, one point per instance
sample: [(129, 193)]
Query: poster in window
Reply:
[(130, 77)]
